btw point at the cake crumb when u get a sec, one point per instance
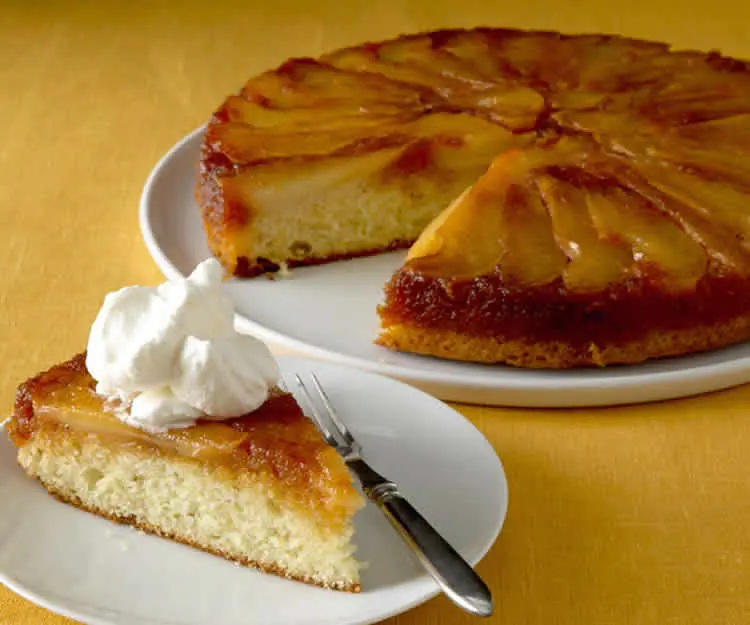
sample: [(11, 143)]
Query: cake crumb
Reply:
[(284, 271)]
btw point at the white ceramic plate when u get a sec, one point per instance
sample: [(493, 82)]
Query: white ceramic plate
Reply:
[(328, 312), (87, 568)]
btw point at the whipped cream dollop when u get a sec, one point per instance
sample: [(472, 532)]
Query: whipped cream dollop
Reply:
[(169, 355)]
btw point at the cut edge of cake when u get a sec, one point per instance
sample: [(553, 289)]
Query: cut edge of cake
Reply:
[(72, 473)]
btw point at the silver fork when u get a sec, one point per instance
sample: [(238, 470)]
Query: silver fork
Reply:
[(452, 573)]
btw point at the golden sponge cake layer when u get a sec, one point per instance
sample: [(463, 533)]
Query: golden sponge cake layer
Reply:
[(236, 515)]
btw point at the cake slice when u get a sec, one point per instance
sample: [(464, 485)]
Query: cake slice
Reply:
[(262, 489)]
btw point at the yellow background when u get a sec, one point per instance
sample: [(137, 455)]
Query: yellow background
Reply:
[(637, 515)]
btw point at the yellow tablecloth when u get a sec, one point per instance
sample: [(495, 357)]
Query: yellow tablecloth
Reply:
[(637, 515)]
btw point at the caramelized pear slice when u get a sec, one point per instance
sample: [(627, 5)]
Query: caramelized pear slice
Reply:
[(204, 441), (595, 261), (536, 56), (700, 109), (700, 95), (244, 144), (730, 132), (84, 411), (462, 141), (76, 406), (631, 71), (719, 148), (603, 125), (308, 83), (368, 60), (532, 256), (710, 160), (719, 241), (457, 61), (479, 49), (717, 201), (516, 236), (609, 64), (515, 106), (421, 54), (238, 109), (589, 62), (660, 247)]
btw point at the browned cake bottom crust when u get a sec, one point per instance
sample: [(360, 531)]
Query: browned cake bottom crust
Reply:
[(559, 354)]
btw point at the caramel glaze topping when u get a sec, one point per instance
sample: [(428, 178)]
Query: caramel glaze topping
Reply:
[(487, 307), (670, 129), (277, 439)]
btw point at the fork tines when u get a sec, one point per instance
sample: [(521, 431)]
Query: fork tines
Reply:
[(330, 425)]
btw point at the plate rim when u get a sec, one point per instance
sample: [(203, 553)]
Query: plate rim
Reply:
[(646, 386), (424, 587)]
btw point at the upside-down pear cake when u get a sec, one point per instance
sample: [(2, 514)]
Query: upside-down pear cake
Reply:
[(263, 489), (575, 200), (173, 423)]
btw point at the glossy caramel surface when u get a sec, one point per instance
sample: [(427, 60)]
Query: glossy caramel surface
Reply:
[(277, 440), (629, 161)]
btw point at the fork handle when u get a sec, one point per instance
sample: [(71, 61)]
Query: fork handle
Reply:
[(452, 573)]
